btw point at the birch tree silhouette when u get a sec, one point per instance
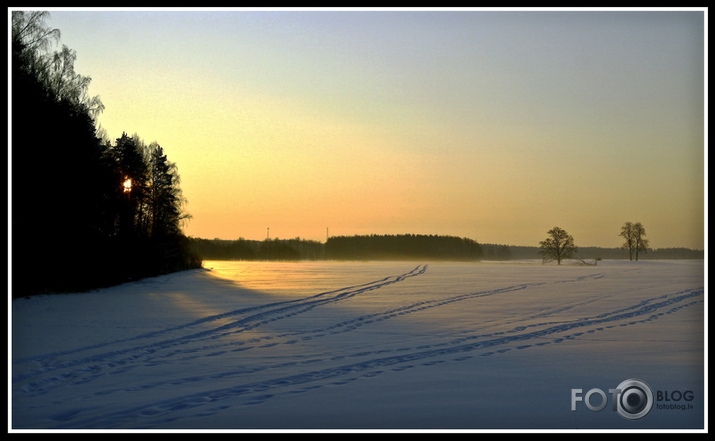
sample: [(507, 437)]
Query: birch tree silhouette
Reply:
[(83, 211)]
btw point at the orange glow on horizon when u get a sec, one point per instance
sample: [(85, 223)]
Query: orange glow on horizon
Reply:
[(491, 126)]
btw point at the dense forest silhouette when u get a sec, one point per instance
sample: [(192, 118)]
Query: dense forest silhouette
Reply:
[(402, 246), (369, 247), (86, 212), (269, 249)]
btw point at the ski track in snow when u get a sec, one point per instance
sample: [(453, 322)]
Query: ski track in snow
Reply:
[(181, 343)]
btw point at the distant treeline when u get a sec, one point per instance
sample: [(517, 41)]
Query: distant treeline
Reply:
[(273, 249), (371, 247), (511, 252), (86, 212), (400, 247)]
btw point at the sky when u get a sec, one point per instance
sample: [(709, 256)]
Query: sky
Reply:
[(495, 125)]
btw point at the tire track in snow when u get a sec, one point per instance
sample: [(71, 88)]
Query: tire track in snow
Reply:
[(163, 412), (89, 368), (368, 319), (642, 308), (352, 324), (355, 323), (351, 290), (259, 315)]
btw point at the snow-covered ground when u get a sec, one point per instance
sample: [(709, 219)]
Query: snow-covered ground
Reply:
[(375, 345)]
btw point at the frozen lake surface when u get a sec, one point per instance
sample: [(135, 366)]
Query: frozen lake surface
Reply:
[(365, 345)]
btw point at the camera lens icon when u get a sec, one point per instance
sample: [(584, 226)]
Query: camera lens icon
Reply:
[(635, 400)]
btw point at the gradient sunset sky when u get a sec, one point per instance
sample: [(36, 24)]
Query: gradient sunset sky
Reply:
[(488, 124)]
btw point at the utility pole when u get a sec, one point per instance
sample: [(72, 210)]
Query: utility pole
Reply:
[(327, 234), (268, 233)]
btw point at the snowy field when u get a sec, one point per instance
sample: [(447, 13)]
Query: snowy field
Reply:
[(362, 346)]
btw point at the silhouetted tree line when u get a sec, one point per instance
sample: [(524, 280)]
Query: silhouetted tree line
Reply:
[(373, 247), (269, 249), (402, 247), (86, 213), (357, 248), (512, 252)]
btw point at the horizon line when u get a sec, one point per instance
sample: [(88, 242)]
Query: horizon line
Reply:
[(442, 235)]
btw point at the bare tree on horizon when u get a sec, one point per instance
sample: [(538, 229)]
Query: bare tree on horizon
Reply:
[(558, 246), (634, 234)]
